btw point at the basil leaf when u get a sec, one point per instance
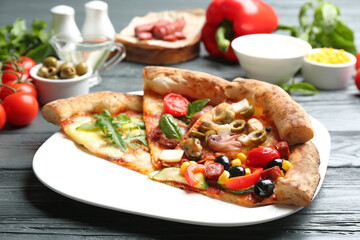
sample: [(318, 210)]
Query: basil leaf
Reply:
[(169, 127), (196, 106), (299, 87), (326, 16), (41, 52), (327, 29), (284, 86), (38, 29), (303, 18), (19, 28), (305, 88), (16, 40)]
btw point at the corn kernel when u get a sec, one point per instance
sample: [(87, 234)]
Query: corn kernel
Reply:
[(223, 177), (247, 171), (286, 165), (329, 55), (183, 167), (279, 179), (236, 162), (242, 157)]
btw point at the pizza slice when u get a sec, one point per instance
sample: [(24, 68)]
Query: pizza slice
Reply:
[(177, 97), (251, 149), (109, 125)]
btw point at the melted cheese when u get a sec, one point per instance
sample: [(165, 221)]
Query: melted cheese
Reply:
[(95, 141)]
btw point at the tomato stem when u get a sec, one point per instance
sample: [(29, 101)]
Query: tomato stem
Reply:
[(11, 88), (14, 64)]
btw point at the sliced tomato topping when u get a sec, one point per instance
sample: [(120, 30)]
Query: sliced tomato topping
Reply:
[(259, 157), (243, 182), (176, 105)]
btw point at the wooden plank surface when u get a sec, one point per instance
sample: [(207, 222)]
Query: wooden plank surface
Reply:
[(29, 210)]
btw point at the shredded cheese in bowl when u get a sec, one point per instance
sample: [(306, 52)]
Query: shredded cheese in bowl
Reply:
[(329, 55)]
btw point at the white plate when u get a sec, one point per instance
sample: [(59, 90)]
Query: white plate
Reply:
[(70, 170)]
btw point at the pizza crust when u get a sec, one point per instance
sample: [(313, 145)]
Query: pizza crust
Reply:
[(191, 84), (291, 120), (301, 180), (59, 110)]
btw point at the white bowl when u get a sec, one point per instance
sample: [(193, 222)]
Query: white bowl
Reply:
[(272, 58), (52, 89), (328, 76)]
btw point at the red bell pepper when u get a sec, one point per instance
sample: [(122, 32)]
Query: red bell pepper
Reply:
[(243, 182), (228, 19)]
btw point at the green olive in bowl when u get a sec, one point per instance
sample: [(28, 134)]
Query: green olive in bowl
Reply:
[(50, 62), (67, 70), (81, 68), (53, 69)]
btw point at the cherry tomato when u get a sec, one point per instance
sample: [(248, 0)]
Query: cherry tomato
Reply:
[(21, 87), (2, 117), (357, 79), (357, 66), (259, 157), (26, 64), (243, 182), (9, 76), (21, 108), (176, 105)]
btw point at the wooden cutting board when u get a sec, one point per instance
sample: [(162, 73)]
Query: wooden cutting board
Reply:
[(159, 52)]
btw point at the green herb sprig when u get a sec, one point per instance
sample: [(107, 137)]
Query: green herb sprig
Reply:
[(195, 107), (16, 40), (109, 126), (327, 28), (303, 87)]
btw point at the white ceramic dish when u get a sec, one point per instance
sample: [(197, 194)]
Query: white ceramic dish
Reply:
[(272, 58), (71, 171), (328, 76), (51, 89)]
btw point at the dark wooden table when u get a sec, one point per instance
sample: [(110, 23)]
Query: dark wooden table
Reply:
[(29, 210)]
